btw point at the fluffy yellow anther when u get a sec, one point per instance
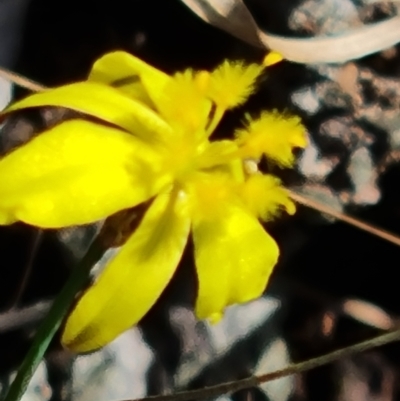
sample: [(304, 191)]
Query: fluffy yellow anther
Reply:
[(273, 135)]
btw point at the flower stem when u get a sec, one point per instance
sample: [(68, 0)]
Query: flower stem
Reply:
[(53, 320)]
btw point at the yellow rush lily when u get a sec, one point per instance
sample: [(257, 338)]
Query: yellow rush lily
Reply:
[(149, 140)]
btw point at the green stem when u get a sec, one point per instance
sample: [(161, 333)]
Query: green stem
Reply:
[(53, 321)]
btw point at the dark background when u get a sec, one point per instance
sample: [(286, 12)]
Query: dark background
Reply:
[(324, 264)]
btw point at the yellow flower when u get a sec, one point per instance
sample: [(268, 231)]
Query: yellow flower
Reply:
[(150, 141)]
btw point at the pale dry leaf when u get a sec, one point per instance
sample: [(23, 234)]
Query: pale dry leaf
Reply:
[(352, 45), (233, 17), (368, 313)]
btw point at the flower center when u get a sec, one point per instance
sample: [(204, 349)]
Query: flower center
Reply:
[(180, 158)]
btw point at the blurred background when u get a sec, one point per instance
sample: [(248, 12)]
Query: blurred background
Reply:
[(334, 285)]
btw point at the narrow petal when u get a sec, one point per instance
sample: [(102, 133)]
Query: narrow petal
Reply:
[(179, 99), (76, 173), (134, 279), (115, 65), (103, 102), (234, 259), (272, 58), (119, 69)]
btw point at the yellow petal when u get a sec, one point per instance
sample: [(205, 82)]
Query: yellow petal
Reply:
[(133, 280), (272, 58), (76, 173), (234, 259), (120, 70), (179, 99), (152, 79), (103, 102), (210, 191)]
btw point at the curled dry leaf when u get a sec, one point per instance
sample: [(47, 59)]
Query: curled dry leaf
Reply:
[(368, 313), (233, 17)]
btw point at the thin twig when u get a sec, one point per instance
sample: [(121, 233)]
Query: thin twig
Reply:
[(320, 207), (253, 381), (355, 44), (21, 81), (34, 248), (17, 318)]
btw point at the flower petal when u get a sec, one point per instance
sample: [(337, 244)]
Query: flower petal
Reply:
[(103, 102), (133, 280), (76, 173), (234, 258), (156, 89), (120, 70), (116, 64)]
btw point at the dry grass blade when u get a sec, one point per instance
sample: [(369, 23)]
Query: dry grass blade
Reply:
[(352, 45), (233, 17), (320, 207), (253, 381), (21, 81), (28, 84)]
